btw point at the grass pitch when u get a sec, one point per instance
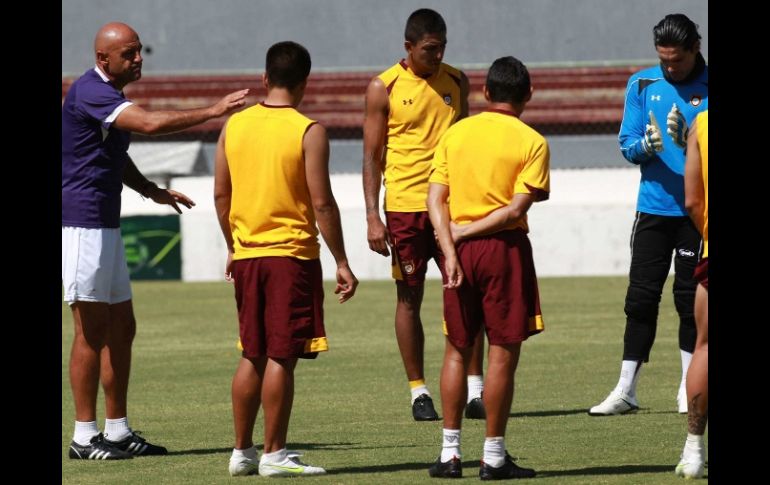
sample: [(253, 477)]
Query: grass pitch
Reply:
[(352, 413)]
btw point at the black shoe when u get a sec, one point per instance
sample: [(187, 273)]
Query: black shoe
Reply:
[(423, 410), (97, 449), (509, 469), (475, 409), (137, 446), (450, 469)]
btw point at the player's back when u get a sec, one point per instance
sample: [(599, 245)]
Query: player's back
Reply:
[(271, 212), (486, 159)]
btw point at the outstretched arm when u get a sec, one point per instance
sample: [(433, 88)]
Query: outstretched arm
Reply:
[(375, 129), (139, 120), (316, 147), (694, 195), (134, 179)]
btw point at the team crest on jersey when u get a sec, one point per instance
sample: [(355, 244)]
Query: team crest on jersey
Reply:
[(696, 100), (448, 99), (407, 266)]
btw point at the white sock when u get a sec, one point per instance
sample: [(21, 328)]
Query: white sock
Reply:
[(116, 429), (686, 359), (494, 451), (629, 376), (450, 446), (694, 443), (274, 457), (475, 387), (249, 453), (84, 431), (419, 391)]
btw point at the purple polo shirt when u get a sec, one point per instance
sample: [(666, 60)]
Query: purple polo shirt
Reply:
[(93, 153)]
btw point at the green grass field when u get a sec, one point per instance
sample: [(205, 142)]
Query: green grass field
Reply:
[(352, 413)]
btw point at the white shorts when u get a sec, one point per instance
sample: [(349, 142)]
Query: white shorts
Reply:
[(93, 265)]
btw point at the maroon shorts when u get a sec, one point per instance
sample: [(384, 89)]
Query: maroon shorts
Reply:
[(701, 273), (499, 291), (280, 307), (414, 244)]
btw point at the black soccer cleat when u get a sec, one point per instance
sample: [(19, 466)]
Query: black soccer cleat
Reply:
[(137, 446), (97, 449), (423, 410), (450, 469), (475, 409), (508, 470)]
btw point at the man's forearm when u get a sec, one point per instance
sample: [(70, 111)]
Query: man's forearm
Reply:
[(372, 182), (134, 179), (330, 226)]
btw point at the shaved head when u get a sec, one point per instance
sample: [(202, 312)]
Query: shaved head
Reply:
[(113, 33), (118, 52)]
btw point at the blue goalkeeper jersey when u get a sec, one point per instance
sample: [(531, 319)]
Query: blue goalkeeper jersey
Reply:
[(661, 190)]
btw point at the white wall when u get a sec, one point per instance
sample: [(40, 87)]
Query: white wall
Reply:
[(583, 229)]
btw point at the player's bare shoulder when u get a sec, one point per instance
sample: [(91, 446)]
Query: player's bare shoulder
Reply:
[(376, 96)]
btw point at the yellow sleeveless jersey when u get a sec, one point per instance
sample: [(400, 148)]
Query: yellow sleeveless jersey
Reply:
[(486, 159), (420, 112), (702, 127), (270, 212)]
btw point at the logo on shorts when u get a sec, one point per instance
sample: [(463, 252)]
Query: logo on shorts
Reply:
[(686, 253), (448, 99), (696, 100), (408, 266)]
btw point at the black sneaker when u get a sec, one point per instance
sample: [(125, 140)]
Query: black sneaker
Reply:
[(509, 469), (423, 410), (97, 449), (475, 409), (450, 469), (137, 446)]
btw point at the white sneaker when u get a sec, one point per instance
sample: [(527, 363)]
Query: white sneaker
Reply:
[(691, 464), (618, 402), (241, 467), (681, 400), (289, 467)]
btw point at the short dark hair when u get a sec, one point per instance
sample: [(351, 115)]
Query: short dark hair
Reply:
[(421, 22), (676, 30), (508, 81), (287, 64)]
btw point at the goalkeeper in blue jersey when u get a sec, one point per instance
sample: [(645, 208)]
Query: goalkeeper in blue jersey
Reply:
[(661, 102)]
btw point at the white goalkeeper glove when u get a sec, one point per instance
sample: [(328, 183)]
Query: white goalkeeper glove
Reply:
[(676, 126), (652, 141)]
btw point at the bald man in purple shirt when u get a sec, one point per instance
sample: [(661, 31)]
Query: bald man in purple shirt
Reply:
[(97, 121)]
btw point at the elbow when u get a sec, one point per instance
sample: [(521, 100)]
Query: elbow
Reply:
[(150, 126), (153, 129), (221, 200), (691, 206), (324, 207), (513, 215)]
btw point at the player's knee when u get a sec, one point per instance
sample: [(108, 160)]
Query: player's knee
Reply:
[(684, 301), (642, 303)]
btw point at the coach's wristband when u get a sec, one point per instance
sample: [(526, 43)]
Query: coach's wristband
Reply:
[(146, 186)]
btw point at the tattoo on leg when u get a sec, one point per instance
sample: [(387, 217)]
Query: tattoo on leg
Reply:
[(696, 422)]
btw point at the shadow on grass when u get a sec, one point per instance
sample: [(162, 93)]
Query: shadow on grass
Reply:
[(543, 414), (610, 470), (293, 446), (205, 451), (393, 467)]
